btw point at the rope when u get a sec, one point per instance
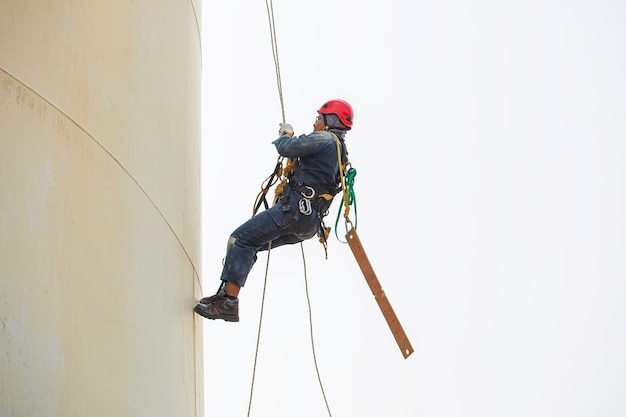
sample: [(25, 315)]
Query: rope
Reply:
[(347, 189), (349, 198), (308, 300), (258, 337), (271, 180), (270, 14), (266, 185)]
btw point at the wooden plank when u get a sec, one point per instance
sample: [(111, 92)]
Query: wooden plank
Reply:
[(383, 302)]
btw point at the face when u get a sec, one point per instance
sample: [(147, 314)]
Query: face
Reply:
[(319, 123)]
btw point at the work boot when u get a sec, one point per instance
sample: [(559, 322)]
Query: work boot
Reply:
[(218, 306), (220, 292), (211, 298)]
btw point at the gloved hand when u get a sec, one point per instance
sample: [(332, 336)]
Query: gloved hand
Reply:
[(285, 129)]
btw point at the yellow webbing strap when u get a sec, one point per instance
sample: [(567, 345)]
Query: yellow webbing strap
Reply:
[(341, 168), (288, 168), (383, 302)]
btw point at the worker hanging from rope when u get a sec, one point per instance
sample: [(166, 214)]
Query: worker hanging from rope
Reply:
[(298, 212)]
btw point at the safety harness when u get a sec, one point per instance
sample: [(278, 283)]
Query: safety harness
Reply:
[(317, 198)]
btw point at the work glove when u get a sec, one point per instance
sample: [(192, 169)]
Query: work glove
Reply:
[(285, 129)]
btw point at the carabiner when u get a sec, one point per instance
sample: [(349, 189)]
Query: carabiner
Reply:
[(305, 206)]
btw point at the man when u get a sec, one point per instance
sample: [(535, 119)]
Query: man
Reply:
[(297, 214)]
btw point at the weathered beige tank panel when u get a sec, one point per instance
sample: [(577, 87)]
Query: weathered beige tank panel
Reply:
[(100, 208)]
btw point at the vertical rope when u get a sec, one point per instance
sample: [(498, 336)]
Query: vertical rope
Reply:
[(258, 337), (270, 14), (308, 300)]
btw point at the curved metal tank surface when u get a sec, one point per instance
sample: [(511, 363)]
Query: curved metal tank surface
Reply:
[(100, 208)]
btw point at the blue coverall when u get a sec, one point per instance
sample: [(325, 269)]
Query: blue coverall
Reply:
[(318, 167)]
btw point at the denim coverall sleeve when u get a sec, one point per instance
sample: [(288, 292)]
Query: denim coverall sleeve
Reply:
[(317, 154)]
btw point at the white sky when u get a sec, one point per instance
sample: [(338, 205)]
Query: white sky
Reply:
[(489, 144)]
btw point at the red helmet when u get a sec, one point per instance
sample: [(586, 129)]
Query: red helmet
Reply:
[(341, 108)]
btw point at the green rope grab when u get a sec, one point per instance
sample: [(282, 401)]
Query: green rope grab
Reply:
[(349, 199)]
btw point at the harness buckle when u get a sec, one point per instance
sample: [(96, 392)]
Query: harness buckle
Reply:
[(303, 192)]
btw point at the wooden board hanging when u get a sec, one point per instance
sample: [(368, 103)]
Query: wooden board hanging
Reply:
[(383, 302)]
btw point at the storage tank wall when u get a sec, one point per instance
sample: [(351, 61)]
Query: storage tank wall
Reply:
[(100, 208)]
